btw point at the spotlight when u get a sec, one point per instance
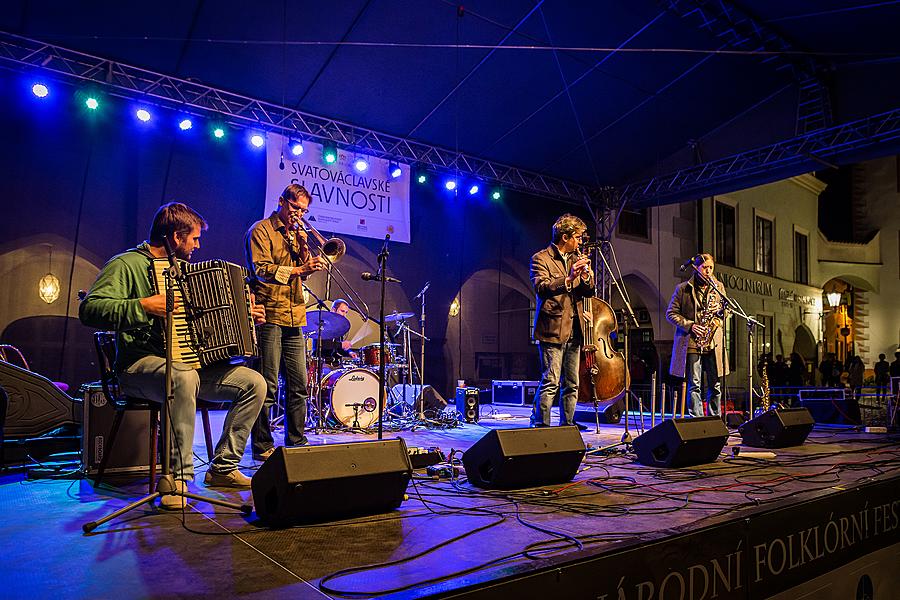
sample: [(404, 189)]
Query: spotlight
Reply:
[(473, 190), (218, 133), (142, 114), (361, 164), (92, 103), (450, 184), (295, 147), (329, 153), (185, 124), (394, 170), (496, 195), (422, 178), (257, 140), (40, 90)]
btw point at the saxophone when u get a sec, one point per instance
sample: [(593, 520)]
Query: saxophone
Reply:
[(764, 399), (708, 317)]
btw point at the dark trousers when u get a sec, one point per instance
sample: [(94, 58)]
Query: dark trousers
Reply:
[(277, 345)]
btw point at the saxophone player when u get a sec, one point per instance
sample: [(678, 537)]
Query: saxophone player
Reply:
[(697, 311)]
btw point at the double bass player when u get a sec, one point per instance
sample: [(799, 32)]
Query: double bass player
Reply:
[(561, 278)]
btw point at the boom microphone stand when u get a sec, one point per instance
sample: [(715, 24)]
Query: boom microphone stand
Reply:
[(735, 307), (165, 485)]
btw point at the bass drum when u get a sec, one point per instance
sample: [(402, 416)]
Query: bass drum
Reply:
[(352, 395)]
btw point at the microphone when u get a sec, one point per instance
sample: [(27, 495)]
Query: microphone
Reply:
[(688, 263), (366, 276), (424, 289)]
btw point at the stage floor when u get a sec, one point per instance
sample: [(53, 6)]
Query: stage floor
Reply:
[(746, 526)]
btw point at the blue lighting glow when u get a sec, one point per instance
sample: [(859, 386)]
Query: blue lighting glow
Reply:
[(450, 184), (218, 133), (257, 140), (185, 124), (295, 147), (40, 90), (142, 114), (473, 190), (361, 164), (394, 170)]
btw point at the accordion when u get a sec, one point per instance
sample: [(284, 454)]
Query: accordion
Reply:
[(212, 322)]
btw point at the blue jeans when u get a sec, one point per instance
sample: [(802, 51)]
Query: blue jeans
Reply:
[(703, 365), (277, 345), (558, 361), (243, 387)]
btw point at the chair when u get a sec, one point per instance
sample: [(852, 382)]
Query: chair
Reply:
[(105, 344)]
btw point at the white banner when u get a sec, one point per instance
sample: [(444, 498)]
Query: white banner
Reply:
[(344, 201)]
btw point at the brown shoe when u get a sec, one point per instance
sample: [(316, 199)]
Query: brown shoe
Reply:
[(262, 456), (234, 479), (170, 502)]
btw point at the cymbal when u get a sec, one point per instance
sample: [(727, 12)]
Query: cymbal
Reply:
[(333, 324), (395, 316)]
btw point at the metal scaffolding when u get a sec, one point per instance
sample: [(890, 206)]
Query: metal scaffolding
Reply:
[(727, 22), (835, 145), (126, 81)]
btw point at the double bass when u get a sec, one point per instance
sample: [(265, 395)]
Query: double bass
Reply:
[(602, 373)]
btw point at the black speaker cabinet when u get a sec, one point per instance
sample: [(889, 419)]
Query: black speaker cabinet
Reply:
[(516, 458), (132, 442), (609, 412), (682, 442), (321, 483), (777, 428), (467, 404)]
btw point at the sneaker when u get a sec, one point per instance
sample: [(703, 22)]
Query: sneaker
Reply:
[(170, 502), (262, 456), (581, 427), (234, 479)]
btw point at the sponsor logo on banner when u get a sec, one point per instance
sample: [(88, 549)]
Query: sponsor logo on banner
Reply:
[(344, 201)]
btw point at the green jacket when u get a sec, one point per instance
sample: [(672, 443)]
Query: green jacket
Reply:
[(114, 302)]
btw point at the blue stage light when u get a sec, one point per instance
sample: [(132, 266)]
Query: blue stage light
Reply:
[(40, 90), (473, 190), (257, 140), (450, 184), (92, 103), (329, 153), (394, 170), (142, 114), (218, 133), (185, 124), (422, 178), (361, 164), (295, 147), (496, 194)]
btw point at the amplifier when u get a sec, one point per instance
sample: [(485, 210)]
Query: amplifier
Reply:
[(516, 392), (132, 442)]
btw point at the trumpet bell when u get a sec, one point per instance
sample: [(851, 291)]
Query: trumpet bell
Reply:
[(334, 249)]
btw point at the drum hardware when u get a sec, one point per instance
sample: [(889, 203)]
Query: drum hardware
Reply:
[(369, 405), (395, 316)]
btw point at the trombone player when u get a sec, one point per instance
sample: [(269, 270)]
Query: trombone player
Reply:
[(279, 259)]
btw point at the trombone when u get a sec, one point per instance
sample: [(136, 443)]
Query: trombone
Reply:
[(332, 250)]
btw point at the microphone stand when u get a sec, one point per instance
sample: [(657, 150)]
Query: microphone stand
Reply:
[(382, 379), (422, 340), (731, 303), (165, 485), (320, 418), (630, 318)]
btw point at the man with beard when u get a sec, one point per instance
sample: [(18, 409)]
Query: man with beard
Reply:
[(122, 299)]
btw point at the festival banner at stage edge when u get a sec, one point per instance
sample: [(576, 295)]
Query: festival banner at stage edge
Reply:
[(344, 201)]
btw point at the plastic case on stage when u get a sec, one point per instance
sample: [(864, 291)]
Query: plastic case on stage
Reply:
[(132, 441), (515, 392)]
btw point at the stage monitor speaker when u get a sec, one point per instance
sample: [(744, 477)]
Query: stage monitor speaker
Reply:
[(609, 412), (467, 403), (777, 428), (680, 443), (411, 394), (309, 484), (517, 458)]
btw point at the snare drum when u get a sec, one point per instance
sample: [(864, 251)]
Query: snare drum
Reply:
[(373, 355), (352, 395)]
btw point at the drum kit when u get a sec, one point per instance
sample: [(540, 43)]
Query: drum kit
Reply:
[(343, 383)]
